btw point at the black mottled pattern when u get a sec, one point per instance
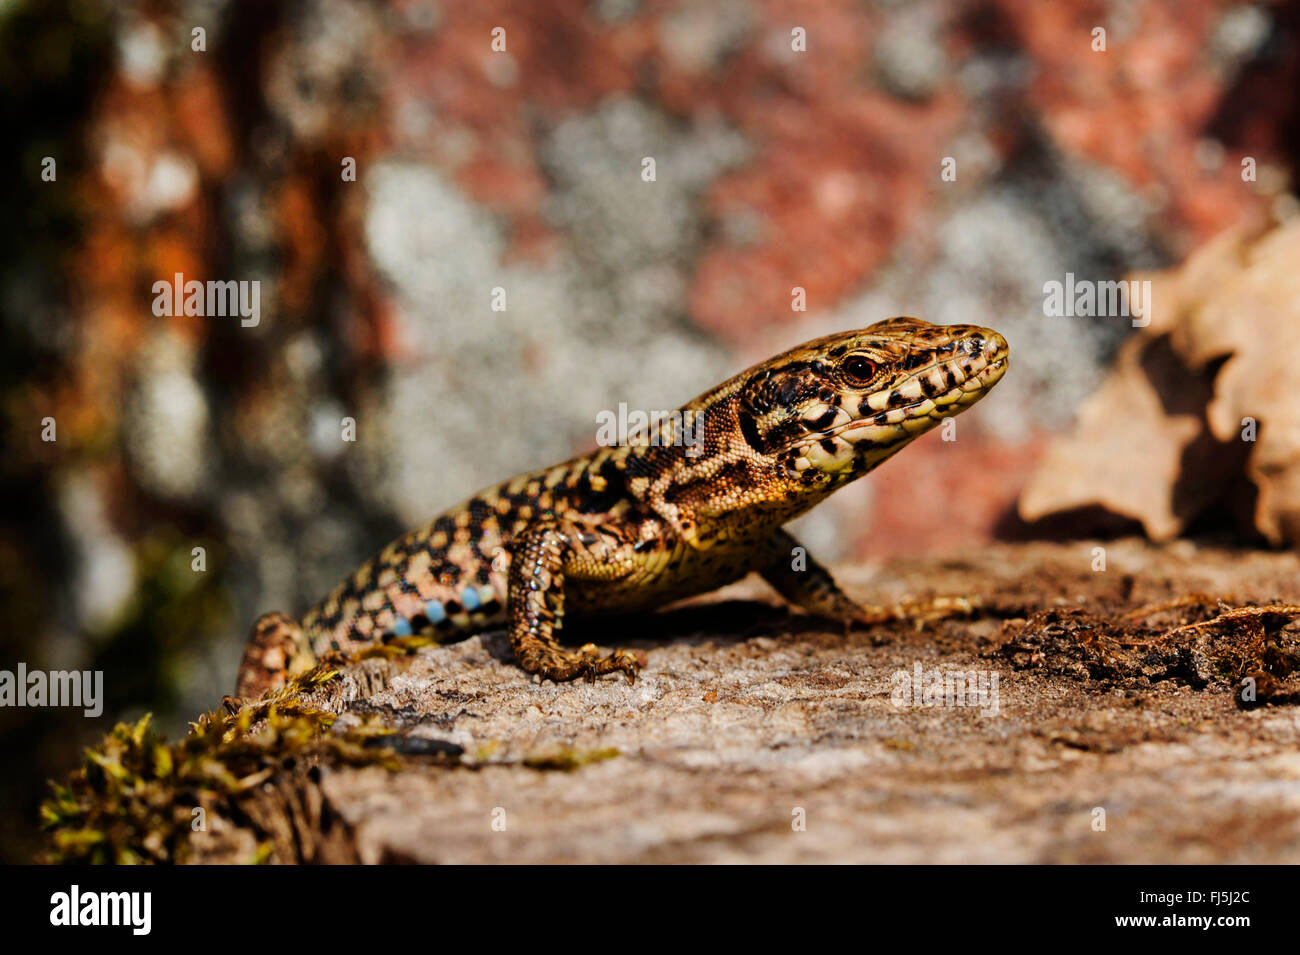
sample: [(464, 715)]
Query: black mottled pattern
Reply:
[(631, 528)]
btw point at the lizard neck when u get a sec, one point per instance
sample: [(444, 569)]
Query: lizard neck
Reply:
[(720, 483)]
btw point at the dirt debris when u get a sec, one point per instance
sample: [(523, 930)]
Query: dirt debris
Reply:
[(1255, 645)]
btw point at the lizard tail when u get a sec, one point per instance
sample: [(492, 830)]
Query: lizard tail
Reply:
[(276, 650)]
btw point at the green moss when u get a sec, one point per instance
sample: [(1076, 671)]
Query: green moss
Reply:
[(133, 799), (567, 760)]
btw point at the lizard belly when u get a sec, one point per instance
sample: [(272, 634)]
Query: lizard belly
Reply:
[(682, 571)]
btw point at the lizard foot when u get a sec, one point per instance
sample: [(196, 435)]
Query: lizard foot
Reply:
[(563, 665), (920, 612)]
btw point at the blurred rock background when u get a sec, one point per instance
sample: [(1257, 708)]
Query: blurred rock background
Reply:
[(521, 170)]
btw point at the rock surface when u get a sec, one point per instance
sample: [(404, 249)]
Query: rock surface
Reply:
[(755, 735)]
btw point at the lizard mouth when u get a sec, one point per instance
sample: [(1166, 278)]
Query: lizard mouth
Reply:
[(889, 419), (890, 423)]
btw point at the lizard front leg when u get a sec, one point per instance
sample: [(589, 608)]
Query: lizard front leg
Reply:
[(543, 559), (809, 585)]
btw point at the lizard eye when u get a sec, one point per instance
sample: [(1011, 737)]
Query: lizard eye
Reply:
[(858, 369)]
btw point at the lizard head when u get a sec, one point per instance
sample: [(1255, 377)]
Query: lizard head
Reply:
[(832, 409), (779, 437)]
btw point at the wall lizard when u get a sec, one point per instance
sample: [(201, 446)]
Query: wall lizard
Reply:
[(633, 527)]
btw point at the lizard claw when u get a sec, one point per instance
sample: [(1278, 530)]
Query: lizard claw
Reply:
[(927, 611), (586, 663), (620, 661), (918, 612), (628, 662)]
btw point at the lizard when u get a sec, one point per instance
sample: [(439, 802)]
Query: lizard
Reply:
[(631, 527)]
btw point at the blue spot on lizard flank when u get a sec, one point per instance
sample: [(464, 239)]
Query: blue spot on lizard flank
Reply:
[(435, 612), (469, 597), (402, 627)]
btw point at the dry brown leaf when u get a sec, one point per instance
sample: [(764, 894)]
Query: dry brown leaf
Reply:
[(1129, 446), (1165, 437)]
